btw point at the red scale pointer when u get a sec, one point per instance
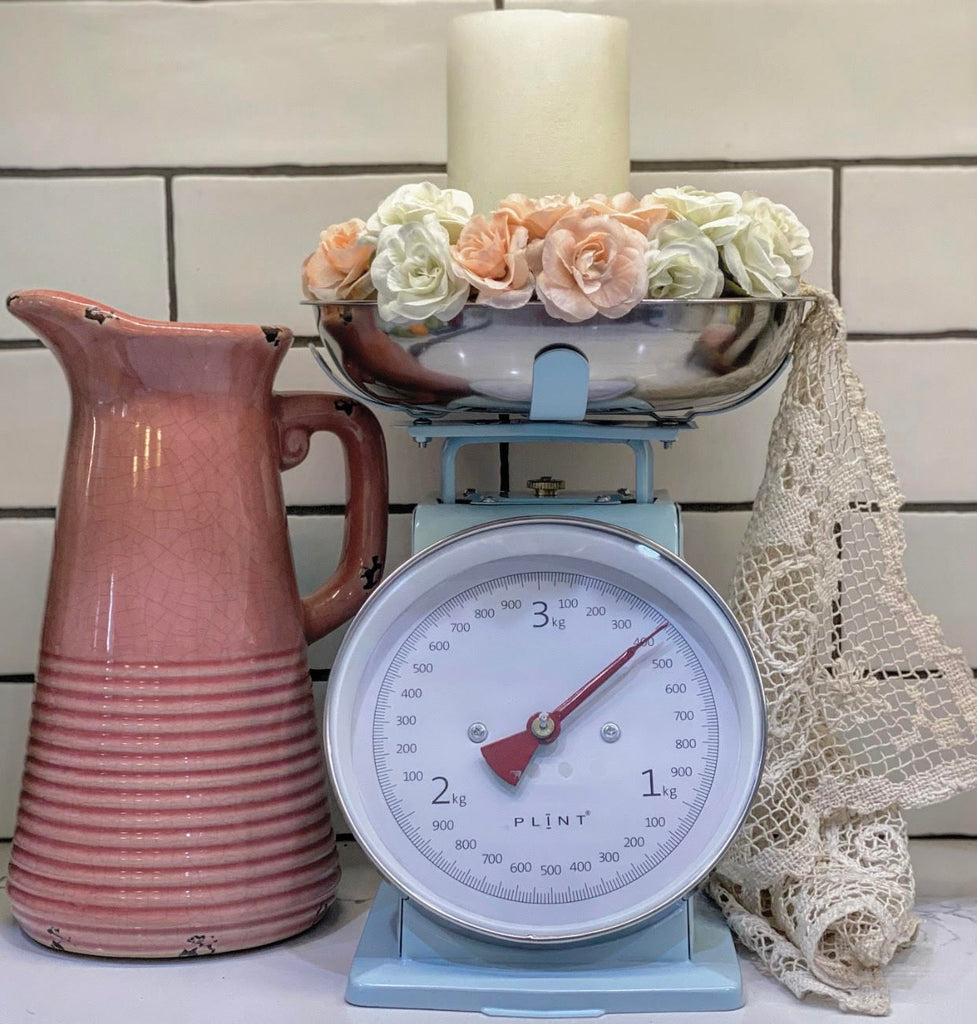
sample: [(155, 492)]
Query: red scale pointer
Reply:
[(509, 757)]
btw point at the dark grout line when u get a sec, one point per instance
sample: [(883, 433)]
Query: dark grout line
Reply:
[(963, 334), (407, 508), (940, 507), (836, 232), (927, 507), (318, 675), (170, 246), (42, 512), (20, 345), (716, 506), (299, 511), (937, 836), (803, 163), (241, 171), (350, 170)]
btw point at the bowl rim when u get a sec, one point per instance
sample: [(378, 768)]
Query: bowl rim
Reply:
[(741, 300)]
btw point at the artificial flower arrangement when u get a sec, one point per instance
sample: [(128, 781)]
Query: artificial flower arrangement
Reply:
[(424, 253)]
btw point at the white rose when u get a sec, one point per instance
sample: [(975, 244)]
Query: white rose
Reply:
[(412, 273), (769, 255), (683, 263), (452, 207), (718, 214)]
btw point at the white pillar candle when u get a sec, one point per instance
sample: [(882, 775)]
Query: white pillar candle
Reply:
[(538, 102)]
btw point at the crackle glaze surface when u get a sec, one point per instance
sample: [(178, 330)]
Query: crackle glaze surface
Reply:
[(173, 800)]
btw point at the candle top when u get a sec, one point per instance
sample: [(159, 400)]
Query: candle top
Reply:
[(538, 15)]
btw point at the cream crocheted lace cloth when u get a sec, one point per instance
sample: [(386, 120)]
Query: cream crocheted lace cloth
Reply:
[(869, 711)]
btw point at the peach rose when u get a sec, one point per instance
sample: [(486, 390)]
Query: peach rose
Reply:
[(339, 269), (641, 214), (592, 263), (537, 216), (491, 254)]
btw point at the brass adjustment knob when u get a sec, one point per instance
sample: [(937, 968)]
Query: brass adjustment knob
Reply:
[(546, 486)]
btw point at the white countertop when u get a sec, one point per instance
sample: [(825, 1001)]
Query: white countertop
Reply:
[(301, 981)]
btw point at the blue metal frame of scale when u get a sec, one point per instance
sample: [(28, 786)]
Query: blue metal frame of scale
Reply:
[(681, 960)]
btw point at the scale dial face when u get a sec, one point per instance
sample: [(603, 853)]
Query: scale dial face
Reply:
[(582, 821)]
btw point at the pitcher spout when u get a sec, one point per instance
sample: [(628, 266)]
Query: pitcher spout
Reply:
[(105, 352), (43, 308), (55, 316)]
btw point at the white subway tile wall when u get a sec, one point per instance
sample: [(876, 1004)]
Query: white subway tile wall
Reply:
[(761, 80), (98, 236), (179, 160), (15, 710), (215, 84), (885, 270)]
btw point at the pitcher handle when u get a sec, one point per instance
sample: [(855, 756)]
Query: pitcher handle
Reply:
[(299, 415)]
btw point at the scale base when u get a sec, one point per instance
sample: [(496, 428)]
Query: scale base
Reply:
[(683, 960)]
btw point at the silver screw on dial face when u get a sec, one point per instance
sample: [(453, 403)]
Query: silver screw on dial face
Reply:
[(477, 732), (610, 732)]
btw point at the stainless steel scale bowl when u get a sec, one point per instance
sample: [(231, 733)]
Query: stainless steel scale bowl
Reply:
[(670, 359)]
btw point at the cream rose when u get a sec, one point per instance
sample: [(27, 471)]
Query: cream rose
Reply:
[(643, 215), (770, 253), (491, 254), (592, 264), (339, 269), (718, 214), (412, 273), (683, 263), (452, 208)]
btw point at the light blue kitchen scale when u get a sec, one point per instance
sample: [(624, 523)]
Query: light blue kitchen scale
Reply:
[(545, 728)]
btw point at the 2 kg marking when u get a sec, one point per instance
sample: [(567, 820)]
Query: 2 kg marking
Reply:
[(444, 797)]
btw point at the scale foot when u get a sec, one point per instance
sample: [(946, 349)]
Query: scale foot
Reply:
[(683, 960)]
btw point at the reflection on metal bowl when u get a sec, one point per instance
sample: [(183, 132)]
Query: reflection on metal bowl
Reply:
[(669, 359)]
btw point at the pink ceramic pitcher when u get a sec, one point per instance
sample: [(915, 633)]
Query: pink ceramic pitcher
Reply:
[(173, 799)]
